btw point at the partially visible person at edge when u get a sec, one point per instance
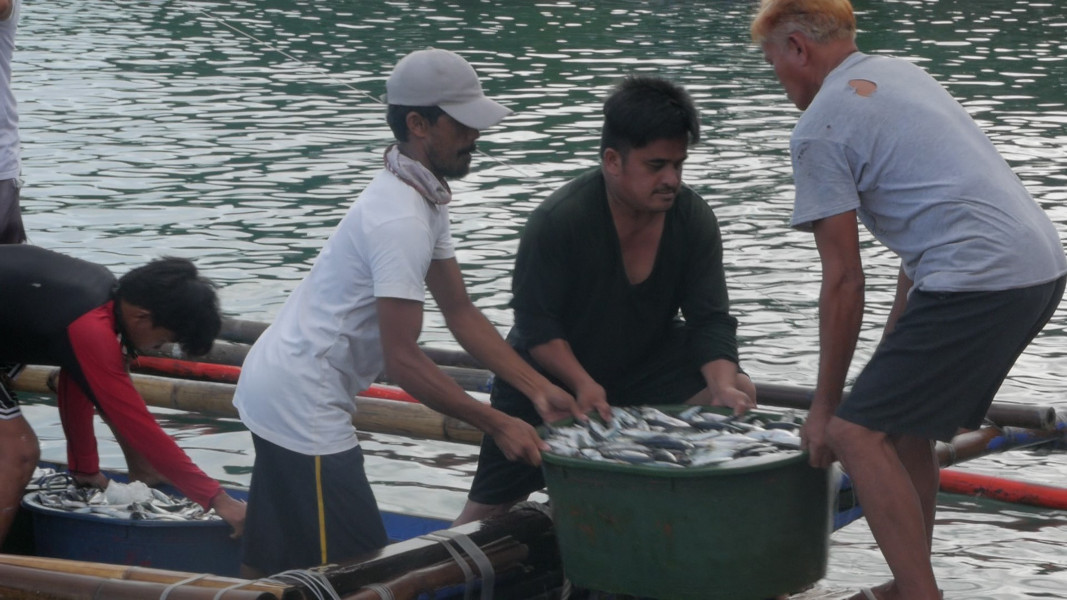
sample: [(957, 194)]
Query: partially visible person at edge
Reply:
[(11, 228), (59, 310), (606, 268), (982, 268), (359, 310)]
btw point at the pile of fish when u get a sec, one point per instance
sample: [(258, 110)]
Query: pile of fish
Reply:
[(696, 437), (133, 501)]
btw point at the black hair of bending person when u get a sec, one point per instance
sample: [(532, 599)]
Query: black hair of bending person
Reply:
[(178, 298), (643, 109)]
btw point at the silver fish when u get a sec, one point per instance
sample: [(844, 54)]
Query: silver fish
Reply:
[(696, 437)]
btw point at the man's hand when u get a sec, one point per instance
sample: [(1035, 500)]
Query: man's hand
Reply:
[(732, 397), (593, 397), (519, 441), (232, 511), (813, 439), (553, 403)]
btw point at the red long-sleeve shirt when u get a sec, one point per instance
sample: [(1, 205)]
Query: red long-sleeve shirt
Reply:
[(103, 366), (57, 310)]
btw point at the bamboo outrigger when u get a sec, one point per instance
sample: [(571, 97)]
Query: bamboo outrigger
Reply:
[(518, 553)]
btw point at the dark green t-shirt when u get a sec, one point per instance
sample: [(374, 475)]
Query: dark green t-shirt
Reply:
[(570, 283)]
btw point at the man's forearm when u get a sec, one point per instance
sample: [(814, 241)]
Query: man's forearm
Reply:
[(558, 360), (477, 335), (413, 371), (840, 319)]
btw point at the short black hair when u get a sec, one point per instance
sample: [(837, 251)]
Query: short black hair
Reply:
[(178, 298), (396, 115), (643, 109)]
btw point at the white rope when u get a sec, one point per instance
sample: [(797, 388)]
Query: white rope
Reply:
[(167, 590), (485, 566), (218, 595), (315, 581), (468, 573), (383, 592)]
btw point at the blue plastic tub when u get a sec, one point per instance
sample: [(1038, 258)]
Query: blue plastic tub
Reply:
[(192, 546)]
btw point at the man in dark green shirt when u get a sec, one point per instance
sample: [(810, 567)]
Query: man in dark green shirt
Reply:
[(619, 291)]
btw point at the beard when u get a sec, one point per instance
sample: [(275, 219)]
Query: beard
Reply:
[(458, 166)]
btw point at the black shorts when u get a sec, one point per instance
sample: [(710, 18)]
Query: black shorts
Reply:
[(670, 378), (942, 364), (305, 511)]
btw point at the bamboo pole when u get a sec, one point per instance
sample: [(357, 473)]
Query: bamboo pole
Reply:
[(29, 583), (239, 331), (387, 416), (989, 440), (202, 371), (464, 369), (216, 399), (130, 573), (1004, 414)]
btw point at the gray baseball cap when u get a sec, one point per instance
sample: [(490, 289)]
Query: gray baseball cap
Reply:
[(435, 77)]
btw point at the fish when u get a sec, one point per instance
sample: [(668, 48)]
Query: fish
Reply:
[(59, 491), (693, 437)]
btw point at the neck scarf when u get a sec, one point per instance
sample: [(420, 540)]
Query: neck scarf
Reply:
[(413, 173)]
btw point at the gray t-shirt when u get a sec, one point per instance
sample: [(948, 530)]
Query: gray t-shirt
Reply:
[(923, 179), (9, 118)]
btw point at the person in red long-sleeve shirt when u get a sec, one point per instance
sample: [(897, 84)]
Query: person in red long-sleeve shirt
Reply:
[(59, 310)]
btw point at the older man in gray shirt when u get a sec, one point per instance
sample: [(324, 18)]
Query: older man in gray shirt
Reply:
[(982, 268)]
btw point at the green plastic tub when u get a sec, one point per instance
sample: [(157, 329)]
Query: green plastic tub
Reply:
[(706, 532)]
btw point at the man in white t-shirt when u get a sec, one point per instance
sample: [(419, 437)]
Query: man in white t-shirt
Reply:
[(981, 268), (358, 312)]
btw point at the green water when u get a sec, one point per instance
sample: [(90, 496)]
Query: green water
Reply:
[(238, 133)]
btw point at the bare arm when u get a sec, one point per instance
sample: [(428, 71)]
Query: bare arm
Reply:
[(401, 322), (840, 316), (478, 336), (556, 357), (5, 9)]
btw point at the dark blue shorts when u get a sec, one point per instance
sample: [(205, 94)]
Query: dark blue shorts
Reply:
[(942, 364), (305, 511)]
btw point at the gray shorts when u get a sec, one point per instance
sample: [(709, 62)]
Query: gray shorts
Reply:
[(941, 366)]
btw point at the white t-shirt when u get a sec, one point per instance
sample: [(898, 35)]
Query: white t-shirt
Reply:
[(9, 118), (923, 178), (299, 380)]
